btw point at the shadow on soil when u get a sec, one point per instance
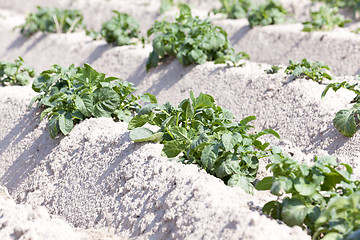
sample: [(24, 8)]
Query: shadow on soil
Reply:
[(97, 53), (337, 140), (21, 40), (236, 37), (169, 74), (138, 75), (33, 149)]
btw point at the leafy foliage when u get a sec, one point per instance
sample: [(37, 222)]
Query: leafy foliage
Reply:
[(233, 59), (268, 13), (340, 220), (200, 132), (308, 192), (52, 20), (351, 4), (166, 5), (274, 69), (189, 39), (70, 95), (311, 70), (120, 30), (324, 20), (347, 120), (15, 73), (234, 9)]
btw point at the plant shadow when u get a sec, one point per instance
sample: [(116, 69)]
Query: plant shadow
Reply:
[(97, 53), (331, 133), (238, 35), (31, 149), (169, 75)]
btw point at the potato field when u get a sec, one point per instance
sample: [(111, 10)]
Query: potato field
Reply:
[(179, 119)]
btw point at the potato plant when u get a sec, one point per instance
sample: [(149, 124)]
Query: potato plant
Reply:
[(269, 13), (190, 40), (350, 4), (273, 70), (234, 9), (317, 198), (347, 120), (315, 71), (120, 30), (324, 20), (70, 95), (197, 131), (52, 20), (15, 73)]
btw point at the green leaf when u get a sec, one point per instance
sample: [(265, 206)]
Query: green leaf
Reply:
[(145, 135), (229, 140), (239, 180), (188, 110), (147, 97), (264, 184), (91, 76), (106, 101), (45, 112), (246, 120), (203, 101), (84, 104), (138, 121), (152, 61), (273, 209), (345, 122), (148, 108), (173, 148), (281, 185), (200, 141), (179, 133), (53, 126), (268, 131), (293, 212), (66, 123), (331, 180), (226, 168), (209, 156), (304, 189), (39, 83), (335, 236)]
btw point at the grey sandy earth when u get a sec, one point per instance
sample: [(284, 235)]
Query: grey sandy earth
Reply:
[(97, 184)]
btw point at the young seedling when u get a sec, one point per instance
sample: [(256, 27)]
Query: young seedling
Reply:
[(52, 20), (307, 195), (234, 59), (347, 120), (274, 69), (70, 95), (315, 71), (234, 9), (324, 20), (189, 39), (15, 73), (269, 13), (198, 131)]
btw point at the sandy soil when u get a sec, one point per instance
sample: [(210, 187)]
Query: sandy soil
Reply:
[(19, 221), (97, 178), (271, 44)]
